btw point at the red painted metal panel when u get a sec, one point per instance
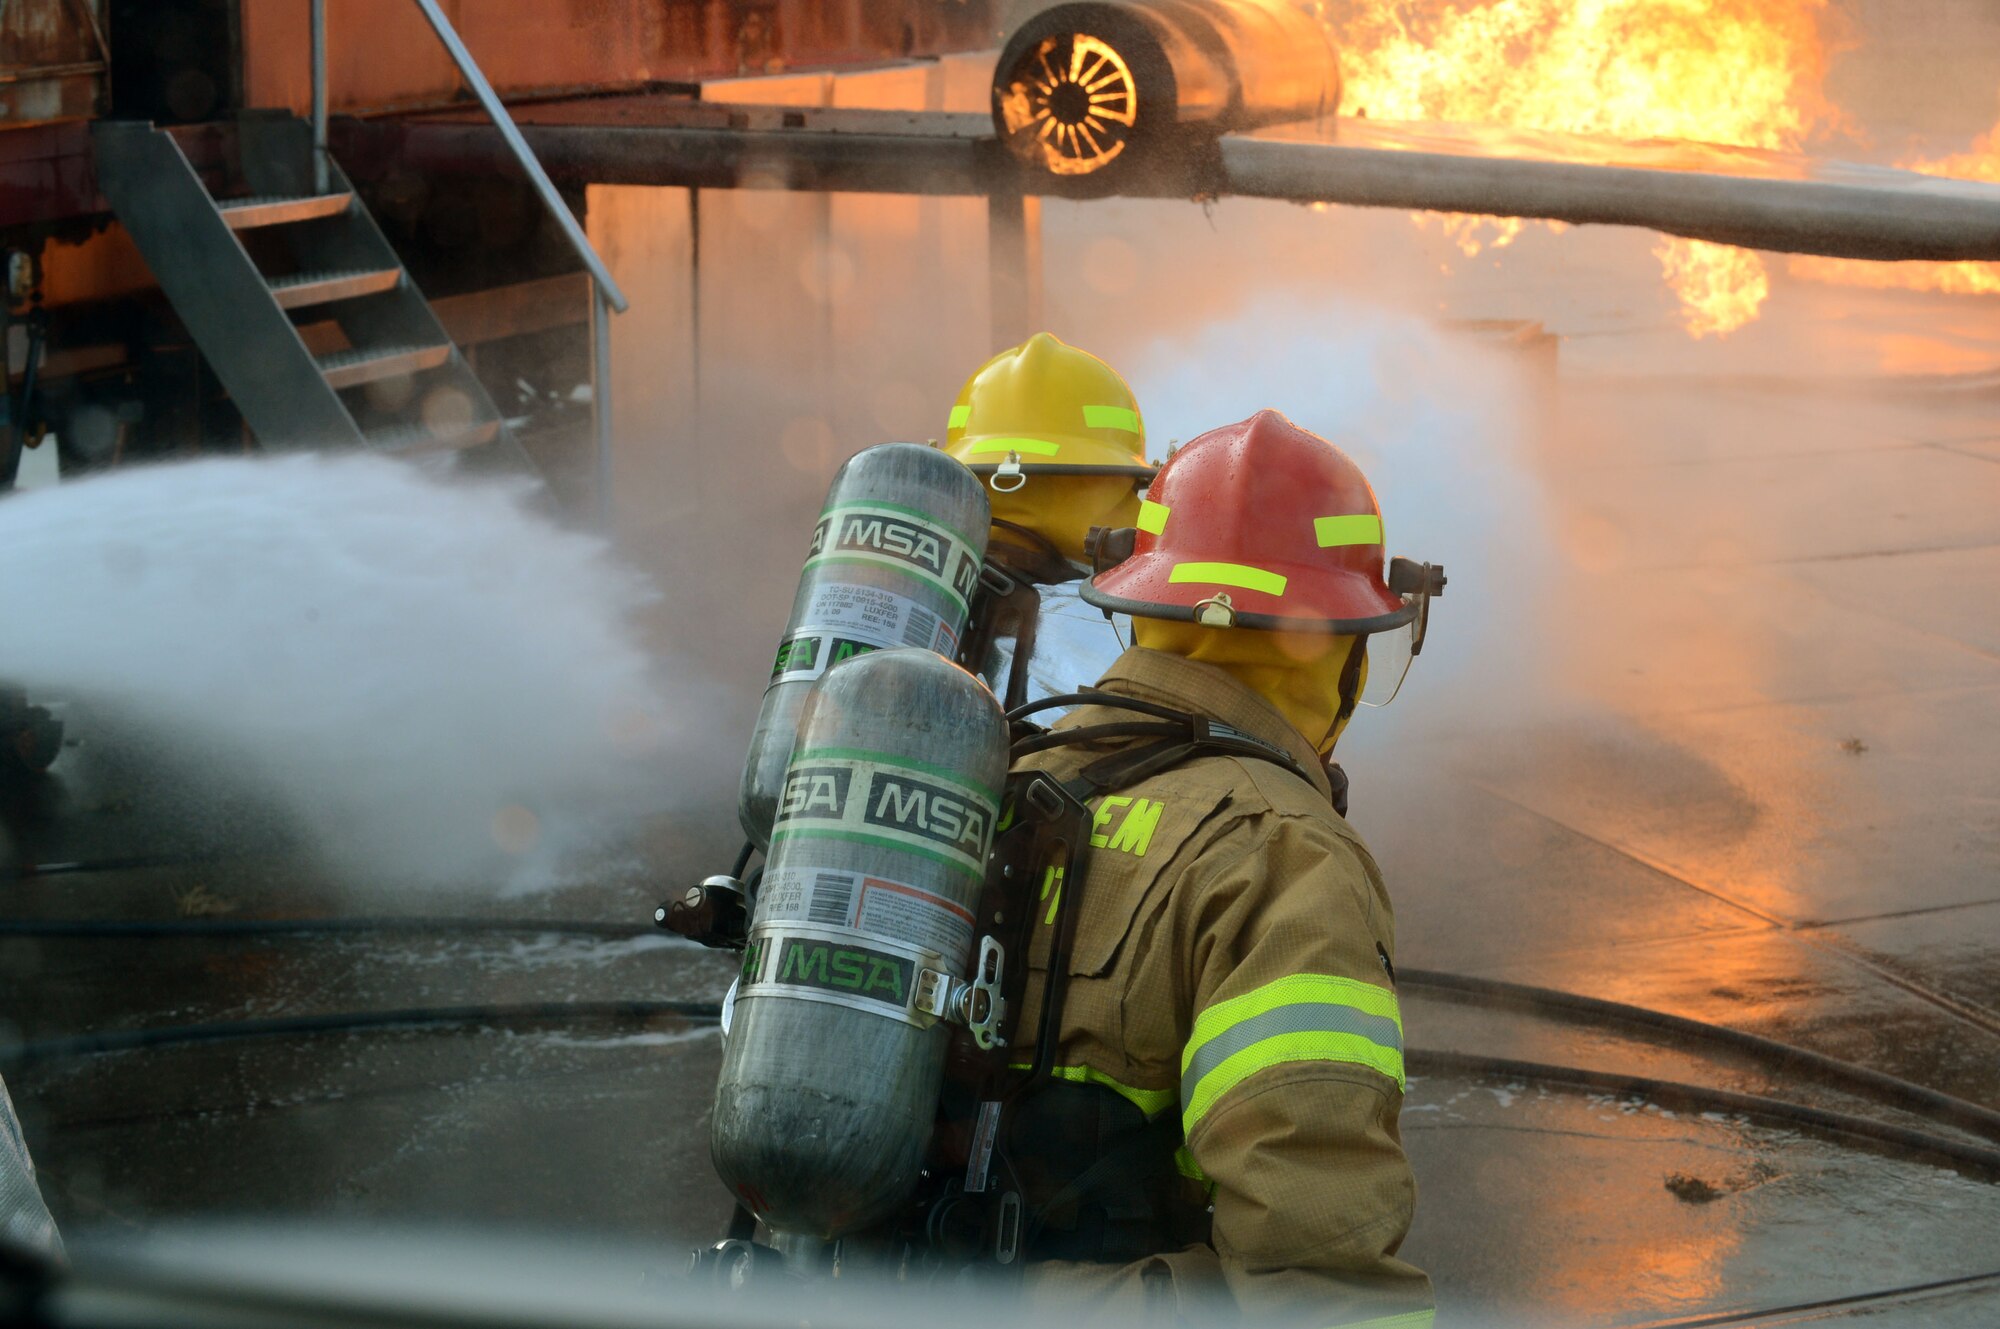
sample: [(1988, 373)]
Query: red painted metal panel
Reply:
[(381, 54)]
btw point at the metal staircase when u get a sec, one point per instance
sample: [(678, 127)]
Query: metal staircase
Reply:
[(243, 272)]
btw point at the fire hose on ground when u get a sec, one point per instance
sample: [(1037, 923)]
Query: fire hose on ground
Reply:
[(1980, 1160), (1830, 1072)]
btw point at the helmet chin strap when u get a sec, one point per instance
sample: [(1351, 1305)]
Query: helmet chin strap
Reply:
[(1352, 675)]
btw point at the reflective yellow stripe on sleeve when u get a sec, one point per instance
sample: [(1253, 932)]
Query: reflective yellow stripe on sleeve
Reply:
[(1405, 1320), (1303, 1018), (1152, 1102)]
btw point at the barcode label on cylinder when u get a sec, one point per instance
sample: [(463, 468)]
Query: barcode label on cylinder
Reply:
[(832, 898), (921, 628), (892, 910), (842, 621)]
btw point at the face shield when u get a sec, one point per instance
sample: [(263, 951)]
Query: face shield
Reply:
[(1071, 645), (1390, 653)]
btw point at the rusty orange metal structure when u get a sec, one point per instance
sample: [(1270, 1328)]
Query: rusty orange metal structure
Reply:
[(64, 62), (55, 61), (98, 330)]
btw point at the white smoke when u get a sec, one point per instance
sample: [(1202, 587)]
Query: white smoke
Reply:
[(427, 677), (1442, 426)]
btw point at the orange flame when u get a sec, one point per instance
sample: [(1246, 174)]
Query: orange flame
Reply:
[(1741, 72), (1981, 163)]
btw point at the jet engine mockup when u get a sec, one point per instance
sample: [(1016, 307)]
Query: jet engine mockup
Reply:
[(1099, 94)]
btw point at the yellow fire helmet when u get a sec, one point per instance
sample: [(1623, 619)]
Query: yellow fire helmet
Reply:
[(1056, 435)]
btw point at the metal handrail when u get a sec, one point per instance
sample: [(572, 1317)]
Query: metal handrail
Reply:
[(605, 295)]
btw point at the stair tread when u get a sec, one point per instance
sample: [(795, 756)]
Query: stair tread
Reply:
[(292, 281), (243, 214), (361, 355), (299, 289), (272, 200), (246, 320)]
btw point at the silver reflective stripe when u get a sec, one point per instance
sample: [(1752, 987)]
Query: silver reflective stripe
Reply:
[(1306, 1017)]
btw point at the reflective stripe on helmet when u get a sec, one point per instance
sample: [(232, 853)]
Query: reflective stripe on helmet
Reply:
[(1303, 1018), (959, 415), (1152, 516), (1230, 574), (1038, 447), (1111, 417), (1363, 528)]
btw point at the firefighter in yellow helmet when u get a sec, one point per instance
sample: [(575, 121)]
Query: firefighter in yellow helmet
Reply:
[(1218, 1130), (1058, 438)]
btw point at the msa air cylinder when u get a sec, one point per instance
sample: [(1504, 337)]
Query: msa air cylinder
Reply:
[(864, 921), (894, 561)]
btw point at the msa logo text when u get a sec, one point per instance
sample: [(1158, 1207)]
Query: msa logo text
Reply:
[(808, 962), (936, 813), (895, 537), (874, 533), (815, 791)]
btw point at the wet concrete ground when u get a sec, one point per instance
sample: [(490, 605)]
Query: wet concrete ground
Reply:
[(1754, 784), (1770, 808)]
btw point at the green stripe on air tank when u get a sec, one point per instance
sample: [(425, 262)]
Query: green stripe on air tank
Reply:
[(905, 763), (783, 832), (900, 569), (928, 518)]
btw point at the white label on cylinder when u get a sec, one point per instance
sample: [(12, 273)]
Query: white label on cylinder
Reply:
[(842, 621), (838, 897), (836, 966)]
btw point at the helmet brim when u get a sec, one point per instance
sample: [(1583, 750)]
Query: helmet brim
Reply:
[(984, 469), (1346, 603)]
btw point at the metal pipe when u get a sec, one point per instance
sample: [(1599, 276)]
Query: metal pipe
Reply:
[(88, 8), (1010, 260), (600, 398), (17, 1055), (320, 178), (490, 100), (40, 72)]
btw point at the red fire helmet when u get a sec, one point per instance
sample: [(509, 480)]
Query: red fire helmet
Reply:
[(1261, 525)]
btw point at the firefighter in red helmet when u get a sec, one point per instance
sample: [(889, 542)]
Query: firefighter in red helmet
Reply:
[(1219, 1131)]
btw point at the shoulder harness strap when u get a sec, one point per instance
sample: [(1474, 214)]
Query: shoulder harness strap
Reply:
[(1182, 737)]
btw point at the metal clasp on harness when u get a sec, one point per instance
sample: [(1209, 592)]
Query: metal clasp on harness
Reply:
[(975, 1003)]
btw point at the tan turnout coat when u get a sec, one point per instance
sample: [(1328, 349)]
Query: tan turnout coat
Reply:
[(1232, 964)]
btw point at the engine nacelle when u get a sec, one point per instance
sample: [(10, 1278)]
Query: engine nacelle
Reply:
[(1098, 95)]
